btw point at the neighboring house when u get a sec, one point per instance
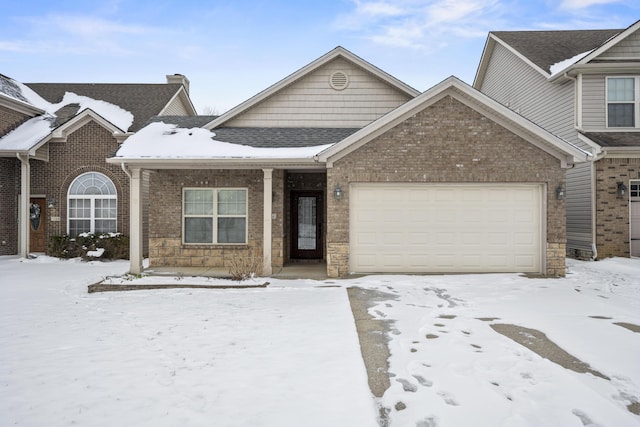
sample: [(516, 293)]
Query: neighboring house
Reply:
[(54, 141), (583, 86), (342, 163)]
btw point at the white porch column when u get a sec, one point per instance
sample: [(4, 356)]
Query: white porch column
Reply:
[(268, 207), (135, 221), (25, 197)]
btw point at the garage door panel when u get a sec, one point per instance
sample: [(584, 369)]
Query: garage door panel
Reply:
[(445, 228)]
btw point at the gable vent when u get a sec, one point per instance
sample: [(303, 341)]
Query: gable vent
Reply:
[(339, 80)]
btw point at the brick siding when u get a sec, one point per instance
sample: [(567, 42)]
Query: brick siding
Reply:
[(430, 147), (84, 151), (165, 223), (9, 186), (612, 211), (9, 190)]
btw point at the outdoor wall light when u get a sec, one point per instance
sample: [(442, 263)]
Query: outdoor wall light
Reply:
[(560, 192), (622, 189), (337, 193), (52, 202)]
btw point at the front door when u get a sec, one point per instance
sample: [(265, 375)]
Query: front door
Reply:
[(37, 217), (306, 224)]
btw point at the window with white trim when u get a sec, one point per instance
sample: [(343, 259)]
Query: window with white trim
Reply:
[(623, 97), (92, 205), (215, 215)]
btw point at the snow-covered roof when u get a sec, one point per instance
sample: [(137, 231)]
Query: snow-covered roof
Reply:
[(164, 141), (34, 131)]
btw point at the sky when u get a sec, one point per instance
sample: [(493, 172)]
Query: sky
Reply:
[(232, 49)]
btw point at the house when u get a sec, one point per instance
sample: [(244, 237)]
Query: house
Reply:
[(54, 141), (583, 86), (342, 163)]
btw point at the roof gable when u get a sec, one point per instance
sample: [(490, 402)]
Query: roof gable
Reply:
[(541, 50), (452, 86), (302, 90), (613, 42), (142, 100)]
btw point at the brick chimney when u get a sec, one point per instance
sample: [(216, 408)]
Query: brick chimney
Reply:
[(179, 79)]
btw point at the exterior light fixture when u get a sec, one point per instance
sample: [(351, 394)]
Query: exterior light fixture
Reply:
[(560, 192), (621, 189), (337, 192), (52, 202)]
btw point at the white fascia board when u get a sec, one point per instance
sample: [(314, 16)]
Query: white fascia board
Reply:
[(60, 133), (610, 43), (20, 106), (620, 152), (595, 147), (337, 52), (213, 163), (487, 51)]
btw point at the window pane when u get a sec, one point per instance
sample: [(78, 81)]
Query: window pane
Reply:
[(198, 230), (79, 208), (620, 115), (92, 183), (620, 89), (198, 202), (231, 230), (232, 202), (105, 208), (105, 226), (307, 223), (77, 226)]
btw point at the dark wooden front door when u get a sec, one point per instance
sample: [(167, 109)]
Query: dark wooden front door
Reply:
[(37, 219), (306, 224)]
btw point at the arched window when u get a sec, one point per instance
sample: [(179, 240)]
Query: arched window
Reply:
[(93, 205)]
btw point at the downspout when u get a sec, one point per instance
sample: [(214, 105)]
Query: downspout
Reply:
[(125, 170)]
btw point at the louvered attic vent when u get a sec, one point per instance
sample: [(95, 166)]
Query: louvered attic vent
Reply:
[(339, 80)]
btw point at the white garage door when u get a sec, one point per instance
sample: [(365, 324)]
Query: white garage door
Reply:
[(418, 228)]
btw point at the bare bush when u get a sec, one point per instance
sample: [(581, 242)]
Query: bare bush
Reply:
[(245, 267)]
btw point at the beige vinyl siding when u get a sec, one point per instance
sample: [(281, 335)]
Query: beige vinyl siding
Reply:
[(516, 84), (593, 102), (625, 49), (578, 202), (312, 102), (175, 108)]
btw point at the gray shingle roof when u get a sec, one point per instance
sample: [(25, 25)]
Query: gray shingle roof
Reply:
[(615, 139), (264, 137), (8, 87), (283, 137), (545, 48), (141, 100), (183, 121)]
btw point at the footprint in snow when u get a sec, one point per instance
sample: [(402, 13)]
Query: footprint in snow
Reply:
[(423, 381), (448, 398), (407, 386), (428, 422), (584, 418)]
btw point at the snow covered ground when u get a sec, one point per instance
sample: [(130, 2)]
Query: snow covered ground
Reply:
[(288, 355)]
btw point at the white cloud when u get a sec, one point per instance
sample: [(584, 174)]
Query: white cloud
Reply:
[(582, 4), (420, 24)]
